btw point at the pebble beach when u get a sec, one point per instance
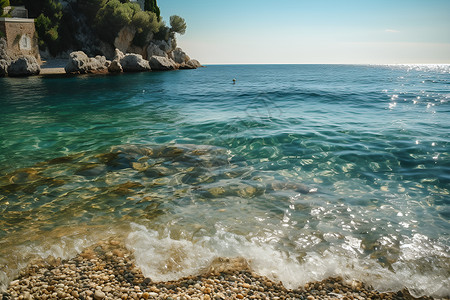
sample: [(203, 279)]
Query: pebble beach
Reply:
[(107, 270)]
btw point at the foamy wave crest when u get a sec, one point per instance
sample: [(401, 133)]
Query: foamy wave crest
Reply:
[(163, 259)]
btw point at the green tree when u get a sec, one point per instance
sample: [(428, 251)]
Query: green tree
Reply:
[(90, 7), (112, 17), (48, 25), (145, 22), (177, 24), (151, 5), (3, 3)]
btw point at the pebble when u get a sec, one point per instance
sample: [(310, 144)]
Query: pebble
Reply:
[(99, 295), (108, 271)]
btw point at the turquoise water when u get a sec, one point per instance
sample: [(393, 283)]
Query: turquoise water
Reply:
[(308, 171)]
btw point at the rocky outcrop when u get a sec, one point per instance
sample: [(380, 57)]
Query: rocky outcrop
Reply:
[(118, 55), (3, 67), (134, 63), (180, 57), (154, 50), (160, 48), (115, 67), (160, 63), (3, 47), (138, 50), (24, 66), (80, 63), (191, 64), (124, 38)]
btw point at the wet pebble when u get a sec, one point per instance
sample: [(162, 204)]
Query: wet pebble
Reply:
[(108, 271)]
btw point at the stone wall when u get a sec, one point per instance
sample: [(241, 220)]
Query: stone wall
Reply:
[(20, 36)]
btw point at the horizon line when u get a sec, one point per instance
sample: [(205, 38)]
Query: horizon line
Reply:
[(361, 64)]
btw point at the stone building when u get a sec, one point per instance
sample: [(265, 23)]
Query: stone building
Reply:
[(21, 37)]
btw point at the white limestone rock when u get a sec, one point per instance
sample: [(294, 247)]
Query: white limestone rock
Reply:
[(134, 63), (160, 63), (180, 57), (80, 63), (125, 38)]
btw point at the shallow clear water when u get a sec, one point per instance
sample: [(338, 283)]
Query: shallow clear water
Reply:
[(308, 171)]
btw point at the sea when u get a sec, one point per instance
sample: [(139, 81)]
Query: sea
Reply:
[(306, 171)]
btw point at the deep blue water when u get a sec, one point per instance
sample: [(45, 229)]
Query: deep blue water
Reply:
[(308, 171)]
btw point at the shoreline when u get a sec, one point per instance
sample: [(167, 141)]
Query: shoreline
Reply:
[(107, 270)]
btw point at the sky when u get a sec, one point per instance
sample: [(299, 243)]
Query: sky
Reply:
[(314, 31)]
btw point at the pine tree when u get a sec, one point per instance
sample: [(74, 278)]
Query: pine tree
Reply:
[(151, 5)]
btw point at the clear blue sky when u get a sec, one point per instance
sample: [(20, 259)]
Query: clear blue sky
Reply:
[(314, 31)]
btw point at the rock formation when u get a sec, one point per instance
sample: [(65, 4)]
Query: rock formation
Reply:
[(160, 63), (80, 63), (134, 63), (3, 46), (191, 64), (159, 48), (24, 66), (4, 64), (124, 38), (180, 57), (115, 66)]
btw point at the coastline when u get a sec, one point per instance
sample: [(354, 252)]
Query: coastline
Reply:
[(107, 270), (53, 67)]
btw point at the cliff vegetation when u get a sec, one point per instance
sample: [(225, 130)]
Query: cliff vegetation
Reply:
[(99, 26)]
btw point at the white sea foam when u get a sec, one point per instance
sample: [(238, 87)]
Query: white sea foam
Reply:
[(162, 258)]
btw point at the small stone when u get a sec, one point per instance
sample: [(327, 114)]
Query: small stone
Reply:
[(145, 295), (239, 296), (27, 296), (99, 295), (219, 296)]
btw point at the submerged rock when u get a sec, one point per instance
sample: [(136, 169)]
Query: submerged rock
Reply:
[(134, 63), (24, 66)]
